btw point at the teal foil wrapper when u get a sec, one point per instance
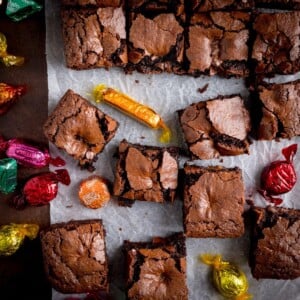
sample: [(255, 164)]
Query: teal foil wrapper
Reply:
[(8, 175), (18, 10)]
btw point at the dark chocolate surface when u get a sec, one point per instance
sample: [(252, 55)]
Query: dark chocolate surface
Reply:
[(146, 173), (94, 37), (157, 270), (22, 275), (75, 256), (276, 48), (216, 127), (214, 199), (79, 128), (275, 243), (217, 44), (280, 110)]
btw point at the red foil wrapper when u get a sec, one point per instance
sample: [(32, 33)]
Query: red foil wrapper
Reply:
[(279, 177), (41, 189)]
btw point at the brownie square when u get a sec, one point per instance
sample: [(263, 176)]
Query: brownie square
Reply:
[(79, 128), (75, 257), (275, 243), (214, 199), (99, 3), (157, 270), (280, 110), (216, 127), (276, 46), (155, 36), (146, 173), (210, 5), (217, 43), (94, 37), (281, 4)]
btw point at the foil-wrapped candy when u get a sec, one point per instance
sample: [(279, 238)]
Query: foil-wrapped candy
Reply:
[(132, 108), (12, 236), (8, 59), (227, 278), (8, 175)]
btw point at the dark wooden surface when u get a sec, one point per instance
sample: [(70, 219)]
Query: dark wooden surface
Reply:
[(21, 275)]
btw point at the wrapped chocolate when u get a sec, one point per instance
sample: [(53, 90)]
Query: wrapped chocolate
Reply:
[(227, 278), (28, 154), (132, 108), (41, 189), (8, 175), (18, 10), (279, 177), (9, 94), (12, 237), (6, 58)]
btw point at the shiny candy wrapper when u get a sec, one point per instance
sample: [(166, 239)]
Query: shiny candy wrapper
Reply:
[(227, 278), (8, 59), (12, 237), (28, 154), (8, 175), (18, 10), (41, 189), (132, 108), (279, 177), (9, 94)]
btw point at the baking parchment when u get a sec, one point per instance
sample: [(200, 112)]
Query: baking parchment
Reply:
[(166, 93)]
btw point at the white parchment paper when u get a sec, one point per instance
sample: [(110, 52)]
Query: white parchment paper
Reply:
[(166, 93)]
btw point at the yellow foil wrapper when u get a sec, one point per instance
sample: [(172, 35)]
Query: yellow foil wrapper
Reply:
[(132, 108), (12, 236), (228, 279)]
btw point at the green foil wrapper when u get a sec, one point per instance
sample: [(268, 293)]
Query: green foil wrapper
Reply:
[(18, 10), (8, 175), (12, 237)]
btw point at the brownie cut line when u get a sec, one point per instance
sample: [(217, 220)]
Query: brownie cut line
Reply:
[(280, 4), (98, 3), (216, 127), (157, 270), (211, 5), (275, 243), (74, 256), (145, 173), (213, 202), (79, 128)]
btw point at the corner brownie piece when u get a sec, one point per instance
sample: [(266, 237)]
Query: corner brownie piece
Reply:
[(157, 270), (280, 110), (94, 37), (216, 127), (281, 4), (75, 257), (99, 3), (79, 128), (209, 5), (217, 43), (214, 199), (275, 243), (276, 46), (146, 173), (155, 36)]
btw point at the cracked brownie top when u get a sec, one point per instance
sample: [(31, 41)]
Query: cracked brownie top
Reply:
[(209, 5)]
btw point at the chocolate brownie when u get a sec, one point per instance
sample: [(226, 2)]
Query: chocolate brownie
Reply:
[(79, 128), (99, 3), (214, 199), (146, 173), (216, 127), (155, 36), (275, 242), (217, 44), (94, 37), (280, 110), (75, 257), (210, 5), (276, 47), (284, 4), (157, 270)]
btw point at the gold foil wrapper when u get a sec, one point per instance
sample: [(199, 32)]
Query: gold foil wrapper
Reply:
[(228, 279), (12, 237), (132, 108)]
